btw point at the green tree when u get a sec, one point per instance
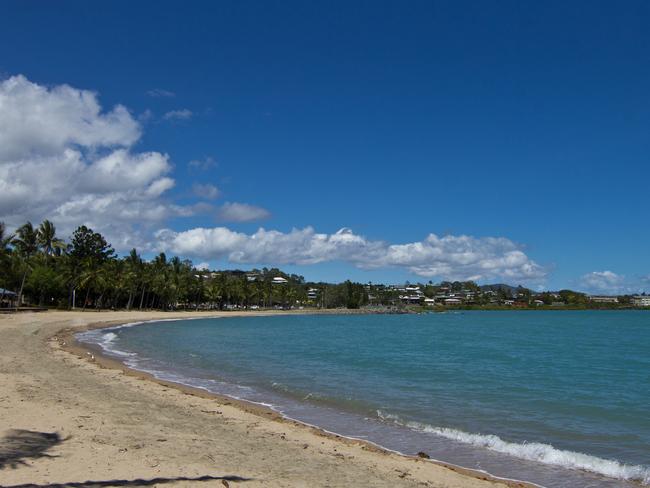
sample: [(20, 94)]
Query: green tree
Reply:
[(132, 275), (26, 245), (5, 257), (45, 283), (88, 253), (47, 240)]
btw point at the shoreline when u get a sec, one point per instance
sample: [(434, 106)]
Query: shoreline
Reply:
[(101, 359), (63, 339)]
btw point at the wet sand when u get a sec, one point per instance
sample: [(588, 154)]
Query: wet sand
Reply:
[(80, 417)]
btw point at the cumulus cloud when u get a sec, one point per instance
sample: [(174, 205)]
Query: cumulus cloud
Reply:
[(183, 114), (64, 158), (207, 191), (39, 122), (448, 257), (608, 282), (242, 212), (603, 281), (158, 93)]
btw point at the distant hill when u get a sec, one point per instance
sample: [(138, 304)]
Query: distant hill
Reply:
[(510, 290)]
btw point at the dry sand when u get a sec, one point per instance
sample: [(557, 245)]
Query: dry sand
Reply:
[(121, 428)]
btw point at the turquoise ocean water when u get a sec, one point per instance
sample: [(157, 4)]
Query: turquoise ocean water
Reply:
[(559, 398)]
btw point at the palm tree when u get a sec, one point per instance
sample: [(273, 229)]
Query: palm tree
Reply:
[(175, 279), (26, 245), (47, 240), (5, 250), (160, 283), (133, 275), (26, 242), (92, 277), (213, 292), (5, 242)]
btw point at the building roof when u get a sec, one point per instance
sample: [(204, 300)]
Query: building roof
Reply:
[(7, 292)]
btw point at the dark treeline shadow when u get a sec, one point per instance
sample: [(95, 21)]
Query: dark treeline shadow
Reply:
[(18, 445), (136, 482)]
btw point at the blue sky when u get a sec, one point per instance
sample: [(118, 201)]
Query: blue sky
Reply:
[(527, 121)]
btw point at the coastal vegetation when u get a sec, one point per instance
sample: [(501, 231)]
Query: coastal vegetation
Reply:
[(39, 268)]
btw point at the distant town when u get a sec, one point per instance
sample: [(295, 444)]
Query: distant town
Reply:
[(446, 294), (39, 270)]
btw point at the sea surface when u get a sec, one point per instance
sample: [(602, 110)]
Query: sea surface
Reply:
[(558, 398)]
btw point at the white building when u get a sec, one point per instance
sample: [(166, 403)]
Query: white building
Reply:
[(641, 301), (603, 299), (279, 280)]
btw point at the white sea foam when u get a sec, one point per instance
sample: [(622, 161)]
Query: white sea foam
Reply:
[(533, 451)]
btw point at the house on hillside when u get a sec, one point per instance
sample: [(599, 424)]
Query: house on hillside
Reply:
[(603, 299), (279, 280), (412, 299)]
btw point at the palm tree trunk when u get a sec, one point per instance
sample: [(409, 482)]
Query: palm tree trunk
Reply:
[(142, 297), (20, 293), (86, 300)]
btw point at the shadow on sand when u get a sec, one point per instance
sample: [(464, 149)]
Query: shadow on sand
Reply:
[(18, 445), (136, 482)]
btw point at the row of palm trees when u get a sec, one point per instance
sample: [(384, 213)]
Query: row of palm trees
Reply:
[(26, 243), (86, 273)]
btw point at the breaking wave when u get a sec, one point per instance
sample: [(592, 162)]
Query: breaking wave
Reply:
[(532, 451)]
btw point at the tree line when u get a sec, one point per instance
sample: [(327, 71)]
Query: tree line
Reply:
[(86, 273)]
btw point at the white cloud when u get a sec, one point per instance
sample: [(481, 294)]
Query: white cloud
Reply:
[(122, 170), (39, 122), (203, 164), (608, 282), (182, 114), (158, 93), (202, 266), (604, 281), (205, 191), (62, 157), (242, 212), (448, 257)]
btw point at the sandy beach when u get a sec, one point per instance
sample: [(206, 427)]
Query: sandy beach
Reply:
[(69, 419)]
